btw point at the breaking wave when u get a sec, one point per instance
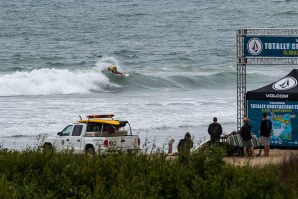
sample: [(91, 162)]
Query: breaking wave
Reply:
[(52, 81)]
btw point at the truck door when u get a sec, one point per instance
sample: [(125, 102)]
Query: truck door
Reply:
[(75, 140), (62, 142)]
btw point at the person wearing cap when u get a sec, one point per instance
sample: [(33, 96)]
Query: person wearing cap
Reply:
[(185, 144), (245, 133), (215, 130)]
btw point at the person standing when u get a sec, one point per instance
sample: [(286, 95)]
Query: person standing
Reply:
[(265, 131), (185, 144), (215, 130), (245, 133)]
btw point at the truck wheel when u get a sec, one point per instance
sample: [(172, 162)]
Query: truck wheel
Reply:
[(47, 146), (90, 150)]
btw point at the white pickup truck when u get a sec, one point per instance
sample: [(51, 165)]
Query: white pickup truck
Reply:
[(96, 134)]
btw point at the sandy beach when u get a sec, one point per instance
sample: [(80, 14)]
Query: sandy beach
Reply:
[(276, 156)]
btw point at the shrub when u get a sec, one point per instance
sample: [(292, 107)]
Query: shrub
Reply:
[(204, 174)]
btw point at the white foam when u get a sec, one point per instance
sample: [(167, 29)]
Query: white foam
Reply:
[(52, 82), (105, 62)]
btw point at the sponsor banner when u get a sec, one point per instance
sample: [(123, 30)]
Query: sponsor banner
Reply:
[(284, 118), (269, 46)]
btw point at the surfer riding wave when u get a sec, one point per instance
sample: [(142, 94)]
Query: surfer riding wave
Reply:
[(114, 70)]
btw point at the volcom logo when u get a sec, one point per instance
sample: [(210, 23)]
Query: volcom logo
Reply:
[(285, 83), (277, 95), (254, 46)]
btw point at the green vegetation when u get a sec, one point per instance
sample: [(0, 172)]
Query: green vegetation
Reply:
[(204, 174)]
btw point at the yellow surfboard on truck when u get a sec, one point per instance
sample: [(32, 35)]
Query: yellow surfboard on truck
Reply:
[(112, 122)]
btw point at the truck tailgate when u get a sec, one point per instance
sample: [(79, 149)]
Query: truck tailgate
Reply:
[(127, 142)]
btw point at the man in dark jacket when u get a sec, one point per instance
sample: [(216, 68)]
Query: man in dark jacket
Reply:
[(245, 133), (215, 130), (265, 131)]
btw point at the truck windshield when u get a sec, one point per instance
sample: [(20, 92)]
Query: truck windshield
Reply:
[(67, 130)]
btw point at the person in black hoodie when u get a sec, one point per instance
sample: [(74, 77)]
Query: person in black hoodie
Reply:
[(215, 130), (245, 133)]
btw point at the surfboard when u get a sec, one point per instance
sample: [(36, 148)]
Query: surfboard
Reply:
[(120, 74), (117, 75), (113, 122)]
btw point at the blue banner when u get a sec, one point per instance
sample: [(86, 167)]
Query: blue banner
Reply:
[(269, 46), (284, 118)]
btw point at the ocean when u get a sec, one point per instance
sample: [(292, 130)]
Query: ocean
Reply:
[(180, 55)]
